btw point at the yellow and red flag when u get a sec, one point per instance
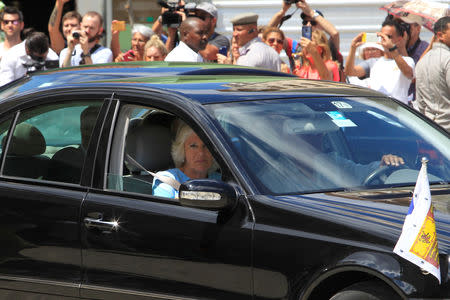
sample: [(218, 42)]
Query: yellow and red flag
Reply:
[(418, 242)]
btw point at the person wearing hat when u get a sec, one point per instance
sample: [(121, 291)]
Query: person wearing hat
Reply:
[(253, 52), (369, 53), (415, 46), (208, 12), (193, 38), (391, 74)]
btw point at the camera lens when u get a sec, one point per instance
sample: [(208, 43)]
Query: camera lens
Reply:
[(76, 35)]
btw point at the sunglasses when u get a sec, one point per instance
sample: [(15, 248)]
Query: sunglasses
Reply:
[(273, 40), (313, 23), (14, 22)]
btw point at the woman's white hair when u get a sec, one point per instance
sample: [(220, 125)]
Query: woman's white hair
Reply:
[(183, 131), (142, 29)]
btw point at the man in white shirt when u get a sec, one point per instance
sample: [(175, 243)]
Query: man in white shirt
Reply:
[(193, 38), (82, 46), (391, 74), (12, 25), (253, 51), (31, 55)]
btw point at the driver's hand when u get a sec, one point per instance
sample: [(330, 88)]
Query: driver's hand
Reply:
[(391, 160)]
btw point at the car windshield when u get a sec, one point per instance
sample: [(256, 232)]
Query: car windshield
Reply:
[(328, 144)]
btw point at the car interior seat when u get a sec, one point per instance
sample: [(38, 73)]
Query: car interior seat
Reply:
[(149, 144), (24, 156)]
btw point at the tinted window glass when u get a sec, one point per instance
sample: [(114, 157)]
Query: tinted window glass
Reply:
[(49, 142), (310, 145)]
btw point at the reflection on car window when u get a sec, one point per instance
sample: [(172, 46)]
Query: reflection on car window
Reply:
[(325, 144), (49, 142)]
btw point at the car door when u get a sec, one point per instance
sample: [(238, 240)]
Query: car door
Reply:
[(138, 246), (41, 195)]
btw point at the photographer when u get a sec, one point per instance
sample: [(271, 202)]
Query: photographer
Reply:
[(31, 55), (82, 46), (172, 14)]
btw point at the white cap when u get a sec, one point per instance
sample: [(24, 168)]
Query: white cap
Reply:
[(368, 45)]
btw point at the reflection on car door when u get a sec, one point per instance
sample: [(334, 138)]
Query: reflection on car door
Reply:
[(39, 219), (145, 247)]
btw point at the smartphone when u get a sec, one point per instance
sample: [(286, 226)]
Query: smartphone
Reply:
[(129, 56), (118, 26), (223, 50), (306, 32), (370, 37)]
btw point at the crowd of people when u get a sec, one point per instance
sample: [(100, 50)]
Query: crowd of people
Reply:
[(398, 63)]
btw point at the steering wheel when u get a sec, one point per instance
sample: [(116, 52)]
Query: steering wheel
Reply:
[(381, 173)]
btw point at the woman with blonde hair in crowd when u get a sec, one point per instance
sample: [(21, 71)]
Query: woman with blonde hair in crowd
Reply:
[(140, 34), (315, 60), (155, 49), (274, 37)]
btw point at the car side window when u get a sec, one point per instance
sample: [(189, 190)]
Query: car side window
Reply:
[(141, 147), (49, 142)]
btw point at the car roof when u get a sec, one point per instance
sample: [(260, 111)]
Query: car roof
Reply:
[(203, 82)]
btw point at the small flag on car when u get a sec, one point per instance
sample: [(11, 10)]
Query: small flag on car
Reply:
[(418, 240)]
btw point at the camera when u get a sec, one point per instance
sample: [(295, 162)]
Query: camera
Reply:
[(291, 1), (170, 17), (76, 35)]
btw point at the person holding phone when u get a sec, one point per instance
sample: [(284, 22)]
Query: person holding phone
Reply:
[(232, 56), (83, 46), (140, 34), (253, 52), (315, 58), (392, 73)]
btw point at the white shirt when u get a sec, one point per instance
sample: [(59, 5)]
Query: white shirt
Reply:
[(183, 52), (11, 66), (100, 56), (2, 50), (258, 54), (386, 77)]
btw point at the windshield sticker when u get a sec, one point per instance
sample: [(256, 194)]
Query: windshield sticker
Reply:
[(341, 104), (340, 120)]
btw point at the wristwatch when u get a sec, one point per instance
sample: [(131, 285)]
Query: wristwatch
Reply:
[(86, 55), (393, 48), (316, 14)]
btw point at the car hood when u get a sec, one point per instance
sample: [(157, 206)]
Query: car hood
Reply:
[(379, 212)]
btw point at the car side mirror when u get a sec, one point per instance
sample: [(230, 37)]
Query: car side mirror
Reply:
[(208, 194)]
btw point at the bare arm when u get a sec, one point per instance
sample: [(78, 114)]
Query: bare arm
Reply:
[(115, 43), (350, 68), (210, 52), (324, 23), (71, 42), (56, 37), (319, 64), (387, 44), (276, 19)]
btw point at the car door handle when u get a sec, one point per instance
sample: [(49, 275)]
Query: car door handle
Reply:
[(98, 223)]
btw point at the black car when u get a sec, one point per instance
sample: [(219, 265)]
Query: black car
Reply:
[(303, 208)]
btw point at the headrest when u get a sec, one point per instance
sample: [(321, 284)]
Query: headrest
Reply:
[(149, 143), (27, 140)]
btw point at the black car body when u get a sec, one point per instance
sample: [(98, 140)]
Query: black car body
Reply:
[(87, 226)]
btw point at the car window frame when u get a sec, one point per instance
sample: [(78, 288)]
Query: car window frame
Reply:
[(43, 99)]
